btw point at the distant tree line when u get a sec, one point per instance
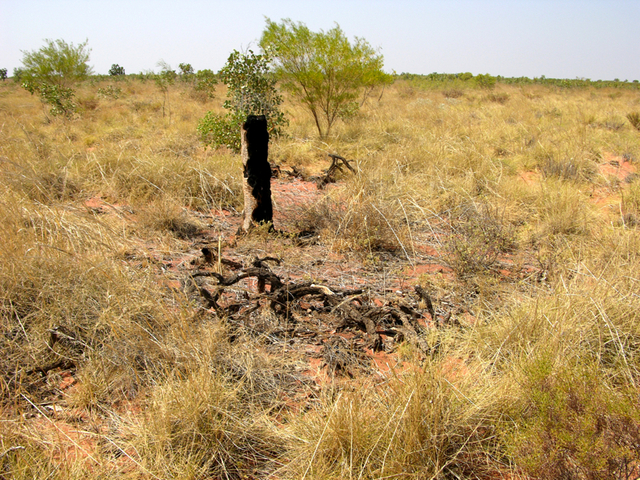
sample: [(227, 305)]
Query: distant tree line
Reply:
[(326, 73), (486, 80)]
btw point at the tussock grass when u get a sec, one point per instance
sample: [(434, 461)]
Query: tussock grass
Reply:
[(421, 425)]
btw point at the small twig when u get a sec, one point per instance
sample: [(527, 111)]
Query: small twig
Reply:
[(12, 449)]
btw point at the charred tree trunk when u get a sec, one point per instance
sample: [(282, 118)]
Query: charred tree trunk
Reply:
[(256, 183)]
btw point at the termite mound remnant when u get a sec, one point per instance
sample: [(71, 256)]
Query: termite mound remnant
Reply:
[(257, 172)]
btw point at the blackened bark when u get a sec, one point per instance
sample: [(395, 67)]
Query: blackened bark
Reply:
[(257, 172)]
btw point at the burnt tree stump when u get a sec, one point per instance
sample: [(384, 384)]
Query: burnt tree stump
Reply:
[(256, 183)]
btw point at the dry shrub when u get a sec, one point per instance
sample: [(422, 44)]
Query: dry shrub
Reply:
[(574, 426), (88, 103), (65, 301), (501, 97), (200, 183), (453, 93), (480, 235), (630, 206)]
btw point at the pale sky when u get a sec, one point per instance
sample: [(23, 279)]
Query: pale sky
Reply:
[(596, 39)]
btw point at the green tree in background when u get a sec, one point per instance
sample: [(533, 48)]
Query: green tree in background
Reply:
[(485, 81), (186, 71), (205, 82), (323, 71), (164, 80), (116, 70), (251, 90), (52, 71)]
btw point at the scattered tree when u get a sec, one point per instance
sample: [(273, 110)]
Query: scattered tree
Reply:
[(17, 74), (52, 71), (164, 80), (205, 82), (251, 90), (116, 70), (186, 70), (3, 74), (324, 71)]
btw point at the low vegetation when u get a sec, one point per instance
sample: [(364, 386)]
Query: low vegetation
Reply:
[(515, 205)]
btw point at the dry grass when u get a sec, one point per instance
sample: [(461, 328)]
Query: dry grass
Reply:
[(538, 380)]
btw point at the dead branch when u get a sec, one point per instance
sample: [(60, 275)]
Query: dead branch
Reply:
[(356, 310), (337, 162)]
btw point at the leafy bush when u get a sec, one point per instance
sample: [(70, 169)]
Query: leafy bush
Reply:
[(485, 81), (59, 97), (217, 130), (164, 80), (251, 91), (3, 74), (110, 91)]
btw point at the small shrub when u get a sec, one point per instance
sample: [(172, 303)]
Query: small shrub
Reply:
[(564, 211), (186, 70), (217, 130), (613, 124), (166, 216), (481, 233), (88, 103), (362, 227), (630, 206), (17, 74), (110, 91), (60, 98), (575, 427)]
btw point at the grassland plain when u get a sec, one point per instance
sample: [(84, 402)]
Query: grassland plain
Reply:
[(516, 209)]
